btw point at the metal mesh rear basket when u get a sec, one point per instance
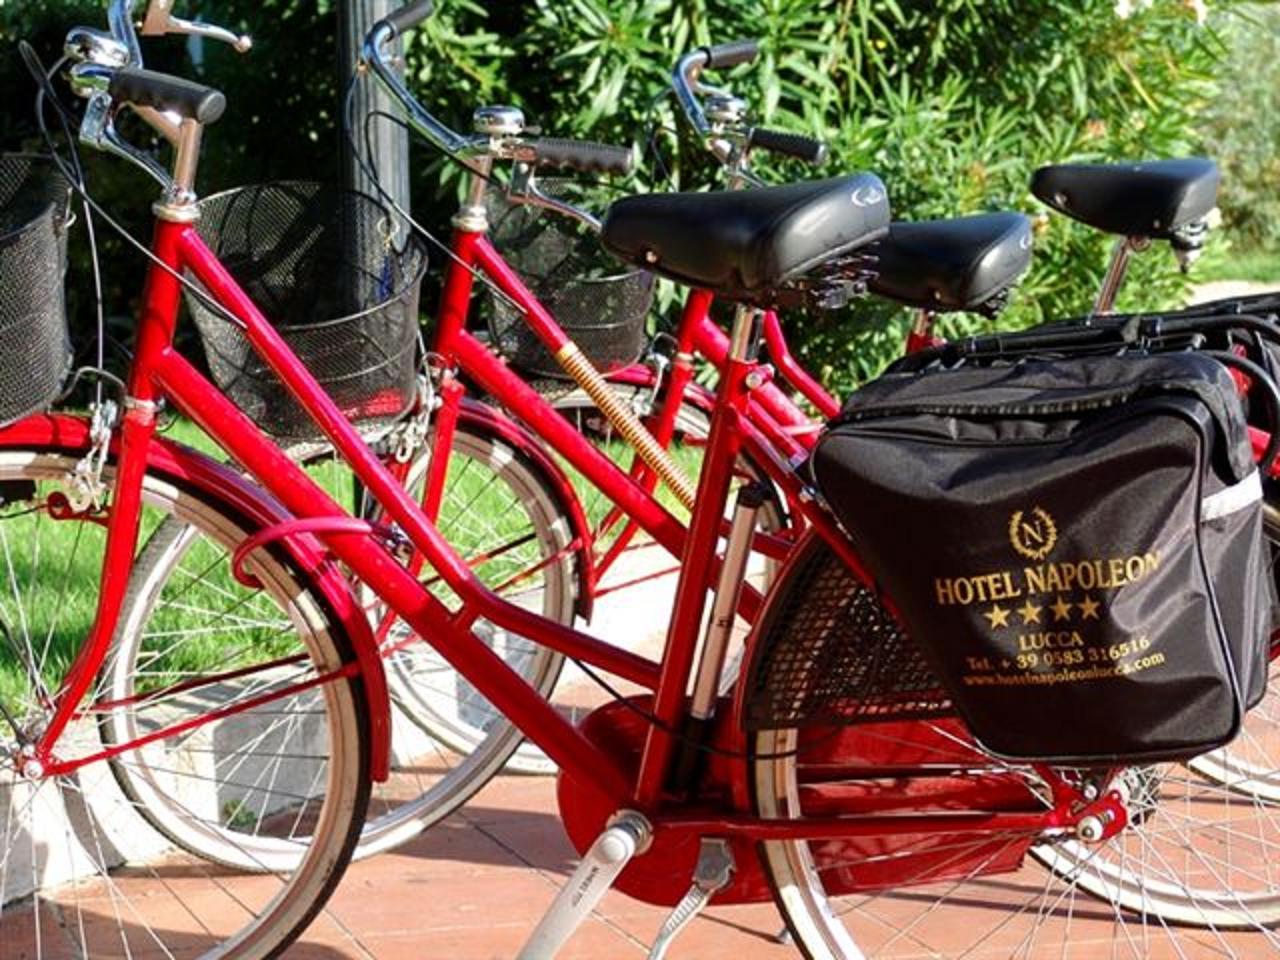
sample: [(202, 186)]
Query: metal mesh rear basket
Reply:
[(35, 349), (830, 653), (320, 265), (601, 304)]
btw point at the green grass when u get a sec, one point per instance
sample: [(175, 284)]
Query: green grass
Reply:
[(597, 506), (50, 571)]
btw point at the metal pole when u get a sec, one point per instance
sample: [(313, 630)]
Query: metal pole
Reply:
[(390, 143)]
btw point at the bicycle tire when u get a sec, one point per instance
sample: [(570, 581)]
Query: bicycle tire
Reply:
[(432, 775), (114, 876), (865, 898)]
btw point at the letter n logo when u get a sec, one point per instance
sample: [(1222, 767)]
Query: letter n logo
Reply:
[(1033, 534)]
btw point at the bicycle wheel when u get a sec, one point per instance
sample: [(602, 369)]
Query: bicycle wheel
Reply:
[(1193, 853), (82, 873), (447, 741), (501, 514)]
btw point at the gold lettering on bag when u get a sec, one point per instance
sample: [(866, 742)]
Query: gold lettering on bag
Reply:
[(1056, 579), (1056, 609), (1051, 640), (962, 591), (1102, 574)]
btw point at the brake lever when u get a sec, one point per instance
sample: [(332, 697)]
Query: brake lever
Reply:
[(97, 126), (160, 21), (87, 45)]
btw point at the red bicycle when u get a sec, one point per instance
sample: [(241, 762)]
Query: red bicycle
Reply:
[(938, 267), (822, 819), (935, 267)]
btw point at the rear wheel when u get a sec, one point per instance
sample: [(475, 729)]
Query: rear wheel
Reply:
[(82, 873), (645, 572), (1194, 872)]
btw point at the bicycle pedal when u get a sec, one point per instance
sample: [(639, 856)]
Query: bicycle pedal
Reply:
[(713, 873), (628, 834)]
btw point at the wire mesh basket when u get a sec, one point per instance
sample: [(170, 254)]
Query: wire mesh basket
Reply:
[(599, 303), (35, 348), (321, 265), (831, 653)]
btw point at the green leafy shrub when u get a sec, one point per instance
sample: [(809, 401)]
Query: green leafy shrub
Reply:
[(952, 102), (1242, 126)]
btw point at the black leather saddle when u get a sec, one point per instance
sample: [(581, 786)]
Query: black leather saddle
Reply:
[(744, 244), (1150, 199), (946, 265)]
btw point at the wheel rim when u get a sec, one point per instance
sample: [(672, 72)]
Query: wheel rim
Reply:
[(1193, 871), (435, 767), (104, 880), (1126, 897), (488, 480)]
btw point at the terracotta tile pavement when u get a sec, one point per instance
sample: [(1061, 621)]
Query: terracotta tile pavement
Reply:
[(474, 886)]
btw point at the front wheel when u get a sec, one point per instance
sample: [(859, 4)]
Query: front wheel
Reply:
[(447, 741), (82, 871)]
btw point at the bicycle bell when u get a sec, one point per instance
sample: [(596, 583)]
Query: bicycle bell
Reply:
[(725, 109), (498, 121)]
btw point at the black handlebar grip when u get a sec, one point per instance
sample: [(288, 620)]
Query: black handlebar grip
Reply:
[(146, 88), (731, 54), (582, 155), (788, 144), (407, 17)]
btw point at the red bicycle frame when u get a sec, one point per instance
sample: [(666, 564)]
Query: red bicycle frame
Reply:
[(161, 372), (787, 428)]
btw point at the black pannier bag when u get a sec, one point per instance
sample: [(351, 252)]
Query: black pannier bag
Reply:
[(1075, 543)]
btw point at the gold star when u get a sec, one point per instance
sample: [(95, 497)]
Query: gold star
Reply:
[(1030, 612), (1088, 608), (998, 616), (1061, 609)]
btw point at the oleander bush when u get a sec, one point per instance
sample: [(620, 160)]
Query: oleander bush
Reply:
[(1242, 126), (952, 102)]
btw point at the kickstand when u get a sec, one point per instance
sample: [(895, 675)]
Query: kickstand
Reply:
[(713, 872)]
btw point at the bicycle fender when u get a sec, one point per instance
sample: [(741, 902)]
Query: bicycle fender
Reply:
[(188, 467), (481, 416)]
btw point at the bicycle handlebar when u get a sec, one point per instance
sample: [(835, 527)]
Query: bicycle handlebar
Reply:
[(584, 156), (546, 152), (187, 99), (120, 20), (384, 32), (787, 144), (684, 80), (728, 140), (406, 18), (724, 55)]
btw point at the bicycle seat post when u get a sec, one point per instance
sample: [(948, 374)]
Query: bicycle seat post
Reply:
[(1121, 253)]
